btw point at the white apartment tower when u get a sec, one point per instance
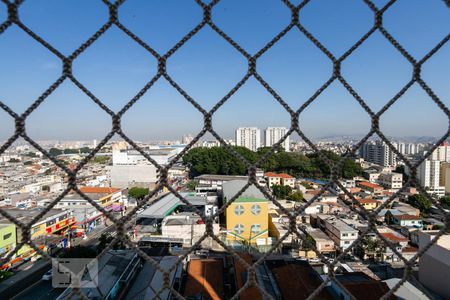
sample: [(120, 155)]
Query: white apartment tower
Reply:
[(274, 134), (441, 153), (428, 174), (248, 137)]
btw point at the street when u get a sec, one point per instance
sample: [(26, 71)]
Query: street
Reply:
[(41, 290), (27, 282)]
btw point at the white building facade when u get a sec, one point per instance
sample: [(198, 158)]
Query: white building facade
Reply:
[(248, 137), (274, 134)]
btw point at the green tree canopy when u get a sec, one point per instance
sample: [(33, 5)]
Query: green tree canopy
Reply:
[(218, 160), (296, 196), (191, 185), (138, 193), (85, 150), (55, 152), (445, 202), (281, 191), (421, 202)]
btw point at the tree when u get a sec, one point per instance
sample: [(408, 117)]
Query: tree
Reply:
[(308, 243), (192, 185), (281, 191), (46, 188), (296, 196), (85, 150), (138, 193), (306, 185), (4, 274), (445, 202), (370, 247), (27, 163), (14, 160), (71, 151), (55, 152), (31, 154), (420, 202), (218, 160), (101, 159)]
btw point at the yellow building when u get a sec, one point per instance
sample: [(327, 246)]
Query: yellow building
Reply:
[(247, 217), (369, 204), (8, 238)]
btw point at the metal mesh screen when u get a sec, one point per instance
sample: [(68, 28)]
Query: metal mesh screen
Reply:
[(162, 74)]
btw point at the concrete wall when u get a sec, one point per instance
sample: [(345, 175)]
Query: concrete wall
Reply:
[(133, 175), (434, 265)]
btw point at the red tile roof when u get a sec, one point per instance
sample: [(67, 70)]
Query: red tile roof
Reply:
[(392, 237), (98, 190), (281, 175), (409, 249), (270, 174), (205, 277), (354, 190), (285, 176), (369, 185), (252, 292), (298, 282), (407, 217)]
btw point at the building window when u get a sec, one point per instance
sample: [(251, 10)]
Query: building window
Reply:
[(7, 236), (256, 228), (50, 223), (239, 210), (256, 209), (239, 228), (345, 234)]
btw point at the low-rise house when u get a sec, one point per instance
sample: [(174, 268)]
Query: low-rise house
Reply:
[(22, 200), (341, 233), (371, 175), (406, 220), (370, 187), (186, 225), (279, 179), (323, 243), (391, 181), (368, 203)]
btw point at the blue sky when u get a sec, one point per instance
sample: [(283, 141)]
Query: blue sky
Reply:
[(115, 68)]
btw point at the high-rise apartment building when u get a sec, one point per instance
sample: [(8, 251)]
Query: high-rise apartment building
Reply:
[(378, 152), (428, 174), (406, 148), (187, 139), (445, 176), (441, 153), (248, 137), (274, 134)]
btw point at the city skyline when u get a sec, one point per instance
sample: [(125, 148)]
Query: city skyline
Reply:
[(207, 68)]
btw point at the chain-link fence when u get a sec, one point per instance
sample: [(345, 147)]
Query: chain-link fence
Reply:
[(13, 20)]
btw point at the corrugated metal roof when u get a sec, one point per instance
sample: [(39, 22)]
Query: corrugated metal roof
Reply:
[(168, 203)]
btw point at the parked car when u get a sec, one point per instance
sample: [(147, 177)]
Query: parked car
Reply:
[(48, 275)]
